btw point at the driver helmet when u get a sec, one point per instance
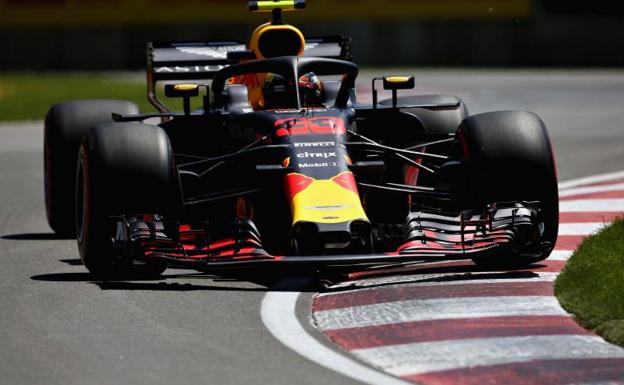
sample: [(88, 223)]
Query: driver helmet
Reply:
[(275, 91), (310, 90)]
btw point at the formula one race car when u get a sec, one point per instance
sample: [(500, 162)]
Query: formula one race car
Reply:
[(283, 167)]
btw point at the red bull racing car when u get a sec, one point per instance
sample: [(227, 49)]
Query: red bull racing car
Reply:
[(282, 167)]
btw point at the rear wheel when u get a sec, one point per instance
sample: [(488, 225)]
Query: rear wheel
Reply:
[(123, 168), (65, 125), (509, 158)]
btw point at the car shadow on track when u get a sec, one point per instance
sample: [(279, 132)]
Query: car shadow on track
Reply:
[(37, 237), (459, 274), (476, 269), (170, 286), (159, 284), (72, 262), (162, 284)]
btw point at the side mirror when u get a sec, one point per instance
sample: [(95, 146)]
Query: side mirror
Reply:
[(181, 90), (185, 91), (399, 83), (393, 83)]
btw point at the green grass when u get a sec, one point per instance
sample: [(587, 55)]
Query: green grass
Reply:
[(26, 96), (591, 286)]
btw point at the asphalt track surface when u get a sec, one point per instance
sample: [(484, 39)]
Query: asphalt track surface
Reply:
[(57, 326)]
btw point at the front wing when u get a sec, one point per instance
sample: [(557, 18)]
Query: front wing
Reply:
[(501, 230)]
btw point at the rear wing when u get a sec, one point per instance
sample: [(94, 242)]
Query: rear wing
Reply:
[(200, 60)]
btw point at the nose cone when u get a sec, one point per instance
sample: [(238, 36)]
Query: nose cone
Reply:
[(334, 238), (327, 214), (326, 209), (332, 200)]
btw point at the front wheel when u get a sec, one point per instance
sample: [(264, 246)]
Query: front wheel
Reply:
[(122, 168), (509, 158)]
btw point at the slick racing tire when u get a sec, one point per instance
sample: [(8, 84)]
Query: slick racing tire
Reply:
[(509, 158), (123, 168), (65, 125)]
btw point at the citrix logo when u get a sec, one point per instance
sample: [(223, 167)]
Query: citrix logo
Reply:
[(323, 155)]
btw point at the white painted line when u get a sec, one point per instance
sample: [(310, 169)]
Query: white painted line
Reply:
[(279, 317), (560, 255), (592, 205), (407, 359), (580, 228), (434, 309), (591, 179), (591, 190)]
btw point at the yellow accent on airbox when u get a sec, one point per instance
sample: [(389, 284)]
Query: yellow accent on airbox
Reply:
[(282, 39), (325, 201)]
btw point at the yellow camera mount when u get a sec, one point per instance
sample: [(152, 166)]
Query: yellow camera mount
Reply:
[(276, 7)]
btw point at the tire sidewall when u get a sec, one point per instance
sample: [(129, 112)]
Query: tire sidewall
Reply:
[(106, 165), (66, 124), (502, 166)]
